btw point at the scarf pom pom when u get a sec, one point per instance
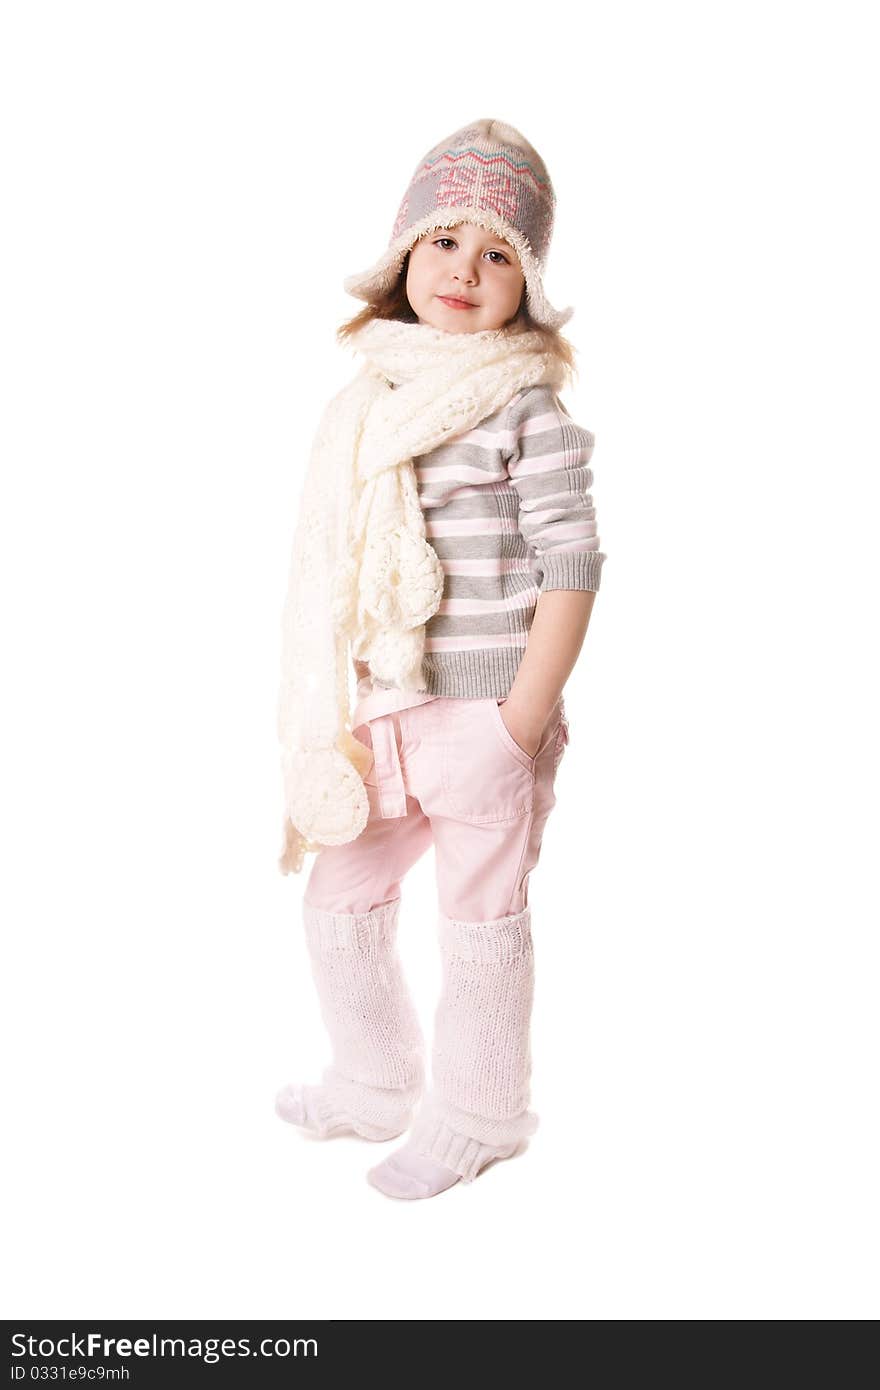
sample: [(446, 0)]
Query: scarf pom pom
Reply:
[(422, 580), (401, 579), (325, 796), (397, 657)]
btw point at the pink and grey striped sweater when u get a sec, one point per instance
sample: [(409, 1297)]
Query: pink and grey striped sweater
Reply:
[(508, 510)]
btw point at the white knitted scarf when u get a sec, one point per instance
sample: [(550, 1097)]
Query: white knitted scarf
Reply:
[(362, 575)]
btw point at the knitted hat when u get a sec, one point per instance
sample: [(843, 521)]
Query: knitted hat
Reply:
[(486, 173)]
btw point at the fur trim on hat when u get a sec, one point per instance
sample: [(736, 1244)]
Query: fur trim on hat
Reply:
[(379, 280)]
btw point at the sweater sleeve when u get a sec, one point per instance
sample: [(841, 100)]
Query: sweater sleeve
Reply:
[(547, 458)]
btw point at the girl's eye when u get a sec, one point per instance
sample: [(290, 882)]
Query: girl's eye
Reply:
[(504, 260)]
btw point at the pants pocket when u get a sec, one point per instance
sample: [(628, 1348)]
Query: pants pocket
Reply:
[(527, 760), (561, 742), (487, 778), (364, 734)]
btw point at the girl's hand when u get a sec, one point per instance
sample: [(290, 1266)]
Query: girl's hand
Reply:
[(555, 638), (522, 729)]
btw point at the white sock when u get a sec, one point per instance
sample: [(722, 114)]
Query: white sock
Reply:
[(317, 1109), (409, 1174)]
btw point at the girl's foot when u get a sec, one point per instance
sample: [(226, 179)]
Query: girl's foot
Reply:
[(411, 1175), (314, 1108)]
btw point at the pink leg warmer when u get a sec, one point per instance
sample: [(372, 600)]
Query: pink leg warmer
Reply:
[(377, 1073), (477, 1108)]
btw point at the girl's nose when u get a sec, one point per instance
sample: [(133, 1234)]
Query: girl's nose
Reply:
[(467, 271)]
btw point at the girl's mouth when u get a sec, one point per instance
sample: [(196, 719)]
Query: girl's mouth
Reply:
[(456, 303)]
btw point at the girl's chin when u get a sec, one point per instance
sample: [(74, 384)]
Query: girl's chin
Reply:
[(447, 327), (452, 323)]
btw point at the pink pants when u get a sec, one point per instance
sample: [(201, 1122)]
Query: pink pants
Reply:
[(447, 773)]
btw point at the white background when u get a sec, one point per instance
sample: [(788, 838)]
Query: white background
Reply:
[(185, 186)]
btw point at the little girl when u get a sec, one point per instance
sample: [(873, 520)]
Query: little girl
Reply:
[(445, 504)]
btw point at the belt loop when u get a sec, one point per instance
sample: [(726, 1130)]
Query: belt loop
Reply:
[(389, 777)]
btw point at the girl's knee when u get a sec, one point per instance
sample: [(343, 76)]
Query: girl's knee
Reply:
[(483, 907), (330, 890)]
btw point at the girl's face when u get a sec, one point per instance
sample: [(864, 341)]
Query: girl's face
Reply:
[(468, 263)]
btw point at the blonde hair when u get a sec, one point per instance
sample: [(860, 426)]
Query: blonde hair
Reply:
[(395, 305)]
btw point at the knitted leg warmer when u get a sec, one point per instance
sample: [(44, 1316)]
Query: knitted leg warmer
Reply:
[(377, 1072), (477, 1108)]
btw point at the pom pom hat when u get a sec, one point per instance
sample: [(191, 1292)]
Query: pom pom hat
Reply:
[(486, 173)]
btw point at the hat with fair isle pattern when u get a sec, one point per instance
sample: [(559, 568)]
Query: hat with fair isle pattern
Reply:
[(486, 173)]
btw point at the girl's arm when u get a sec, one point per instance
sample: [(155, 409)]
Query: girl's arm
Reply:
[(548, 462), (556, 636)]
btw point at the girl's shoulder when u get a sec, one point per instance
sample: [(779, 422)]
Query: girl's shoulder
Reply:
[(524, 403), (533, 402), (541, 395), (541, 411)]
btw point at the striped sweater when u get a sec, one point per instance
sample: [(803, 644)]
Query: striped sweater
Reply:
[(509, 513)]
